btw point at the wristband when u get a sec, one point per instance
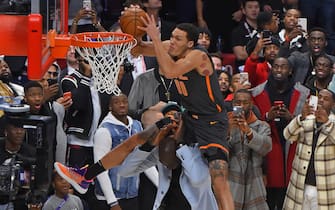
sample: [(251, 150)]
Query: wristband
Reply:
[(146, 147), (113, 204), (161, 123)]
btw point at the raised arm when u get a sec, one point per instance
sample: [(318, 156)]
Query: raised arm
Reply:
[(188, 58)]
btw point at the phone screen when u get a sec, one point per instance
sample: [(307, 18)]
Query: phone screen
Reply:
[(244, 77), (303, 23), (237, 110), (278, 103), (87, 4), (266, 34), (313, 101)]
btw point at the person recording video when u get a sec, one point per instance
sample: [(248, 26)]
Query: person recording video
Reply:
[(15, 160)]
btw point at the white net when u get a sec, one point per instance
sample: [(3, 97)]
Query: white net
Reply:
[(105, 53)]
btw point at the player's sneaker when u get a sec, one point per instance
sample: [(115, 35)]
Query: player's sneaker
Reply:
[(75, 176)]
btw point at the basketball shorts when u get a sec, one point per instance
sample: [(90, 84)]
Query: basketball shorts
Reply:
[(210, 132)]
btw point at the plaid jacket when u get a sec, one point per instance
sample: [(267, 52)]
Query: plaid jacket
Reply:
[(245, 164), (324, 160)]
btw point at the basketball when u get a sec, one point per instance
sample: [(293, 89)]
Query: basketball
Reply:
[(129, 21)]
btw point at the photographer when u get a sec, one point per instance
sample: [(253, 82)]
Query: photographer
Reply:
[(250, 141), (13, 151)]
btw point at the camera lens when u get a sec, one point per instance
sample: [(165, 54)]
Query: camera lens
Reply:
[(128, 67)]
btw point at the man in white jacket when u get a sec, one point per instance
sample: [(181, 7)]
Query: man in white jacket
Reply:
[(116, 127)]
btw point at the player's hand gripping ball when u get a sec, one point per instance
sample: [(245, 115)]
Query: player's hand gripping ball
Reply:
[(130, 19)]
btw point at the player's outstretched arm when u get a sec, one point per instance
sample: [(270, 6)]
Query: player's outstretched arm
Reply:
[(116, 156)]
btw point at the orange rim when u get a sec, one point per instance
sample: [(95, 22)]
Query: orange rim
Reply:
[(79, 39)]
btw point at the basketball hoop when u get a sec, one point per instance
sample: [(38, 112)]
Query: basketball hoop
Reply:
[(105, 52)]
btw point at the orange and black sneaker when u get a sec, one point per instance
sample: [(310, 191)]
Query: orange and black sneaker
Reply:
[(75, 176)]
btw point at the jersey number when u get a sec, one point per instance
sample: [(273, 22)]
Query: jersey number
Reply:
[(180, 85)]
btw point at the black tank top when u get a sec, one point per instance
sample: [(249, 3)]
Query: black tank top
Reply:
[(200, 94)]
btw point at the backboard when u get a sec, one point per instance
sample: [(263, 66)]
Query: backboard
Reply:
[(25, 32)]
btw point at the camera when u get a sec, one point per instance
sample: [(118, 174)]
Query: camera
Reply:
[(127, 66), (9, 178), (38, 129), (14, 176)]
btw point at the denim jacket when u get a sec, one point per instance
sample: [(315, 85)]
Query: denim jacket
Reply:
[(123, 187)]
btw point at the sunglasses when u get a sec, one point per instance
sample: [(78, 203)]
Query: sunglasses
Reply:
[(55, 74)]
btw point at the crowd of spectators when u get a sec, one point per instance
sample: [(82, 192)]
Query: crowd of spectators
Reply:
[(280, 147)]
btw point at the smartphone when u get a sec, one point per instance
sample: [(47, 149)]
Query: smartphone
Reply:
[(87, 4), (313, 101), (67, 95), (266, 34), (52, 81), (278, 103), (303, 23), (244, 77), (237, 110), (177, 116), (276, 13)]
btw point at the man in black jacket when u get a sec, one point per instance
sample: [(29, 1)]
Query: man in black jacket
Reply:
[(13, 150)]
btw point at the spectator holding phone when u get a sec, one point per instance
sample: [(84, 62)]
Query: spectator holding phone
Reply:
[(250, 141), (279, 87), (303, 63), (257, 67), (55, 105), (83, 16), (50, 82), (267, 27), (312, 176), (293, 34)]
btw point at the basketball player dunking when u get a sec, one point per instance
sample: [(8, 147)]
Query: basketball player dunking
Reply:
[(205, 118)]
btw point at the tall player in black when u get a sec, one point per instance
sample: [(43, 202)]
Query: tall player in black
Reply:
[(205, 118)]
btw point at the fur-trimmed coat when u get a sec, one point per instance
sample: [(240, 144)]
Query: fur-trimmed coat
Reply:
[(278, 164), (324, 162)]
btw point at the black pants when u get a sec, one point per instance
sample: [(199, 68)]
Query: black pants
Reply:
[(275, 197), (78, 157), (146, 193)]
